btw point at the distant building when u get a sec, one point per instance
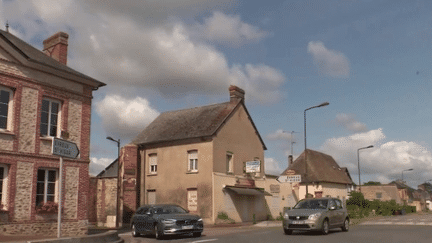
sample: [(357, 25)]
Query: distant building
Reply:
[(382, 193), (40, 99), (324, 176)]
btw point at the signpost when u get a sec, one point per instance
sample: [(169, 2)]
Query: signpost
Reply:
[(289, 178), (66, 149)]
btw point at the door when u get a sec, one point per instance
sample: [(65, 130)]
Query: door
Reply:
[(332, 213)]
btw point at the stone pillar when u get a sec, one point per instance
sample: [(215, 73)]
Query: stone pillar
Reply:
[(128, 172)]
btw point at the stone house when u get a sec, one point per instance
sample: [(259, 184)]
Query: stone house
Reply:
[(207, 159), (42, 98), (325, 178), (382, 193)]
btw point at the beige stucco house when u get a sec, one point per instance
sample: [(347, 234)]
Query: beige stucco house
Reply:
[(207, 159), (325, 178)]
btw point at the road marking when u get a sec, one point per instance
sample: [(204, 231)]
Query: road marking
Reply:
[(203, 240)]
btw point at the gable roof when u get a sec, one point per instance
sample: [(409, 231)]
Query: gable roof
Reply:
[(198, 122), (321, 168), (35, 58)]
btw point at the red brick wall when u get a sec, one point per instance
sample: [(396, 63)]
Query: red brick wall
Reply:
[(128, 175)]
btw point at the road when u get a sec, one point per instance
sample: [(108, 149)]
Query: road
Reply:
[(359, 233)]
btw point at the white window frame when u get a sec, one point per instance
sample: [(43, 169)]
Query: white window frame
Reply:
[(230, 163), (153, 164), (4, 191), (46, 184), (9, 118), (59, 115), (192, 164)]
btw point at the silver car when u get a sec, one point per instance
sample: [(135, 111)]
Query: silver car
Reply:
[(165, 219), (317, 214)]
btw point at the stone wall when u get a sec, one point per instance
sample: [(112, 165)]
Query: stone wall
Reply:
[(71, 192), (24, 185), (103, 200), (28, 116), (69, 228)]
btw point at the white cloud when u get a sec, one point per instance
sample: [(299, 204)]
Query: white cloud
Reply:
[(97, 165), (279, 135), (329, 62), (349, 122), (229, 30), (125, 117), (272, 167), (120, 45), (385, 161)]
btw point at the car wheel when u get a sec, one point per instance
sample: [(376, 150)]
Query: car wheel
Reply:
[(345, 226), (134, 231), (197, 234), (325, 227), (288, 231), (158, 233)]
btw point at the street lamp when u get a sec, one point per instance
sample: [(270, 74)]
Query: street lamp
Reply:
[(403, 172), (358, 160), (118, 179), (320, 105)]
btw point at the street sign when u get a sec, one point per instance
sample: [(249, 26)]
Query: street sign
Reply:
[(64, 148), (290, 172), (253, 166), (290, 178)]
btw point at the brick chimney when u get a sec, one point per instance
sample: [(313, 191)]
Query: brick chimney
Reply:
[(236, 94), (290, 160), (56, 47)]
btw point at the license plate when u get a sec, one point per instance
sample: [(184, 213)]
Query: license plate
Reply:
[(187, 227), (298, 222)]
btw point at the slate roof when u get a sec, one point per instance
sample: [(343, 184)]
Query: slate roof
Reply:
[(36, 56), (198, 122), (321, 168)]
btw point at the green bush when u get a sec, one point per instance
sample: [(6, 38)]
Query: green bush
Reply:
[(359, 207), (222, 215)]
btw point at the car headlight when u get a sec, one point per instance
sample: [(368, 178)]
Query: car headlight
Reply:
[(168, 221), (286, 216), (200, 220), (314, 216)]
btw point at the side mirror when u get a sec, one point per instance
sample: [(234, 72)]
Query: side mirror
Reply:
[(332, 208), (148, 213)]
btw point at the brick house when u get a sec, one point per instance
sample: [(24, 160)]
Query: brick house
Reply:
[(42, 98), (324, 176), (382, 193), (198, 158)]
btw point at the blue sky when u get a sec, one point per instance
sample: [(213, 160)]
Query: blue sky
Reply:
[(371, 60)]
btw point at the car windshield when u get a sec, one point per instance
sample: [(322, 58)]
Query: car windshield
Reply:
[(312, 204), (169, 209)]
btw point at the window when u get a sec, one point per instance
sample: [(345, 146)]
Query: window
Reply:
[(46, 186), (3, 184), (153, 163), (338, 204), (378, 195), (50, 118), (230, 163), (193, 161), (6, 96)]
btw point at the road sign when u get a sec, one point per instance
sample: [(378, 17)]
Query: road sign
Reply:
[(64, 148), (290, 178), (290, 172)]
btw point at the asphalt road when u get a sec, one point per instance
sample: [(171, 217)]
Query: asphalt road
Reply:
[(360, 234)]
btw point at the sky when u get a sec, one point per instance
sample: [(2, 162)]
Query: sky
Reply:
[(371, 60)]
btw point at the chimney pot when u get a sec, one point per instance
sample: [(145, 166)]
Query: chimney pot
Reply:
[(236, 93), (56, 47), (290, 160)]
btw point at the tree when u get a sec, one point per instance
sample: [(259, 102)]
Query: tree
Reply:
[(372, 183)]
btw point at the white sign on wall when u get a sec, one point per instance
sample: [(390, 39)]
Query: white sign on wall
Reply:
[(253, 166), (192, 200)]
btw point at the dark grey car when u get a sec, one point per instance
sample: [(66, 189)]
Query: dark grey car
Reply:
[(165, 219), (320, 214)]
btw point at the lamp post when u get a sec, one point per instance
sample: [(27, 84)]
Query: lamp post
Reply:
[(306, 180), (403, 172), (358, 160), (118, 179)]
